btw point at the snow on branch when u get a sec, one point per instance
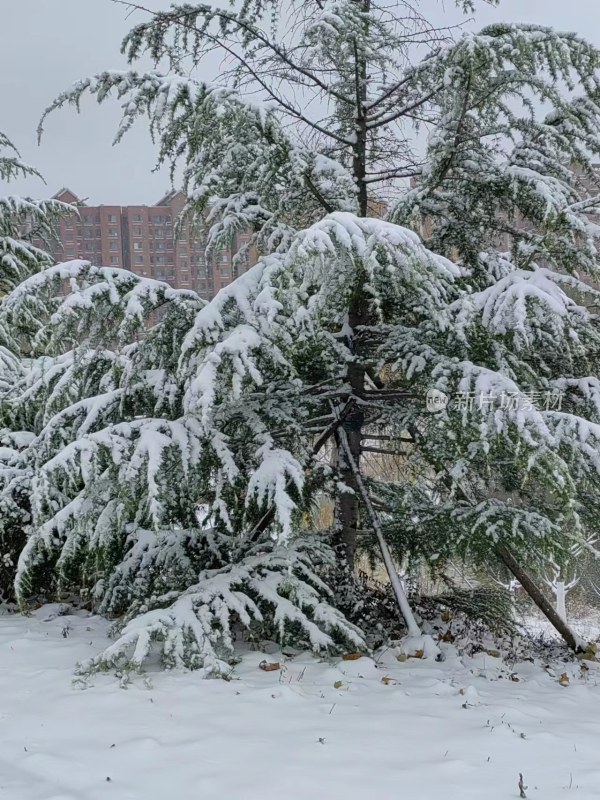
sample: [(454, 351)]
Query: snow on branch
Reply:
[(242, 172), (11, 166), (526, 308), (197, 629), (268, 484), (74, 300)]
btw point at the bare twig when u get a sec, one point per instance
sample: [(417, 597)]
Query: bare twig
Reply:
[(522, 786)]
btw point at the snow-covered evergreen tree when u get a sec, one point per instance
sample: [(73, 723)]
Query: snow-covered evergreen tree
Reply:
[(22, 220), (330, 345), (341, 96), (137, 500)]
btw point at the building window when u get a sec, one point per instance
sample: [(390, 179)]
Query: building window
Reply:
[(223, 257), (137, 246), (139, 259), (160, 260), (138, 231), (113, 233), (137, 218), (160, 245), (87, 220), (70, 252), (183, 263), (114, 260), (112, 218), (112, 245), (89, 247), (159, 233)]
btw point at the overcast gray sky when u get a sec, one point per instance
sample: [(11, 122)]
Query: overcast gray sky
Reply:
[(49, 44)]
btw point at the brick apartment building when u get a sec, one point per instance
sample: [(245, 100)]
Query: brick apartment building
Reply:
[(143, 239)]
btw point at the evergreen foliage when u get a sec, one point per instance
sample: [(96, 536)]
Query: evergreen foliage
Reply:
[(22, 220), (139, 490), (174, 471)]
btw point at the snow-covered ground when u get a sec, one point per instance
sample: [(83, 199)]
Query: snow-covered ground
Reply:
[(586, 624), (345, 730)]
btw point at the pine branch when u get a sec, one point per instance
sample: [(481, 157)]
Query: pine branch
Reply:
[(179, 18), (388, 93), (375, 123), (382, 451), (269, 517), (317, 194)]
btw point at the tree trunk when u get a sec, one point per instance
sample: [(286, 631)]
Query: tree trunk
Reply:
[(540, 599), (361, 78), (399, 593), (347, 512), (347, 520)]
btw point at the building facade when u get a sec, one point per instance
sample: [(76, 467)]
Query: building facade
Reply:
[(145, 240)]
